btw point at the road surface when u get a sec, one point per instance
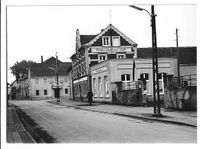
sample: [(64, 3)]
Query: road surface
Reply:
[(70, 125)]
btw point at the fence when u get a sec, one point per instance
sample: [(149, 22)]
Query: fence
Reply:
[(187, 80), (126, 93)]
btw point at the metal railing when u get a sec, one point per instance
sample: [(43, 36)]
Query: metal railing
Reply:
[(125, 85), (187, 80)]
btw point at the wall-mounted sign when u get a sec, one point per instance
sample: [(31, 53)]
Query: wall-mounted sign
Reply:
[(99, 70)]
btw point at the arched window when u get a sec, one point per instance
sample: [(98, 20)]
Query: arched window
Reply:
[(94, 87), (106, 89), (100, 87)]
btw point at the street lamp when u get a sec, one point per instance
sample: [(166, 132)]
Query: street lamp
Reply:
[(157, 111)]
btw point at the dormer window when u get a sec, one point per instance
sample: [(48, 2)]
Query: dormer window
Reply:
[(106, 41), (116, 41)]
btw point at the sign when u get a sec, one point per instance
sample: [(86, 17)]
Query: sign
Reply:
[(56, 86), (80, 80), (99, 70)]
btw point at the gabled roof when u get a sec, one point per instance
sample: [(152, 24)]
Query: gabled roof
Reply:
[(42, 69), (86, 38), (110, 26), (187, 55)]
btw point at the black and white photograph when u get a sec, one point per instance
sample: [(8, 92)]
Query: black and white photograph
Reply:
[(98, 73)]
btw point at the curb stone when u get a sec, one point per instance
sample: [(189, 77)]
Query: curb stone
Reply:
[(130, 116)]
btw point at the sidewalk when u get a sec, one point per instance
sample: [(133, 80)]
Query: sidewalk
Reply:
[(187, 118), (16, 133)]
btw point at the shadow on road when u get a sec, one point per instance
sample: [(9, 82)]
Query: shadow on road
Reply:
[(40, 135)]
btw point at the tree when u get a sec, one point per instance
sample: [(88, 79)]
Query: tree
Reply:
[(20, 69)]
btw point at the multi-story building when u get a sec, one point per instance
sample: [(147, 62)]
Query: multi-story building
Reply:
[(41, 81), (110, 43)]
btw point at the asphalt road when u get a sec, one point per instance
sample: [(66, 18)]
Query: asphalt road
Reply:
[(70, 125)]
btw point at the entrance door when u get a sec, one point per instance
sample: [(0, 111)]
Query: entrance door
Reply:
[(57, 93)]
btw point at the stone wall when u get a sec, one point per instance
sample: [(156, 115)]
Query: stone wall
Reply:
[(127, 97), (183, 98)]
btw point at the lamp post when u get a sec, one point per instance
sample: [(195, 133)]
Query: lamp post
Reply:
[(157, 111)]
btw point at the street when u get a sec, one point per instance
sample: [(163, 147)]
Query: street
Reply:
[(71, 125)]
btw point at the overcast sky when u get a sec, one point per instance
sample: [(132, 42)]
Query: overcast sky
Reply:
[(34, 31)]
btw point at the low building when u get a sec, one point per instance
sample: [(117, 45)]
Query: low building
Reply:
[(42, 81), (106, 73)]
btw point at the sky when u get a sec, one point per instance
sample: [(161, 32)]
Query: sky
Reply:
[(34, 31)]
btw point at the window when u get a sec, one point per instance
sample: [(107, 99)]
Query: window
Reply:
[(106, 41), (102, 57), (45, 92), (45, 81), (125, 81), (116, 41), (106, 89), (66, 91), (145, 79), (37, 81), (161, 82), (100, 87), (37, 92), (126, 78), (94, 87), (120, 56)]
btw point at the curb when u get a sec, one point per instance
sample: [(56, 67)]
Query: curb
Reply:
[(130, 116), (158, 120)]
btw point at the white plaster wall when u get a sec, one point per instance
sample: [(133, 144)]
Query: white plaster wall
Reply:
[(166, 65), (48, 86)]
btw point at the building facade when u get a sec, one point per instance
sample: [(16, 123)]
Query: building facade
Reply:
[(108, 72), (110, 43), (42, 81), (105, 75)]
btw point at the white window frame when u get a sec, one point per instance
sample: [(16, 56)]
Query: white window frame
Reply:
[(161, 81), (147, 83), (126, 82), (45, 80), (95, 87), (114, 42), (118, 56), (100, 89), (102, 55), (125, 76), (37, 81), (103, 38), (106, 86)]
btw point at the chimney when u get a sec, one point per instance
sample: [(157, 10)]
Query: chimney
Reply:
[(102, 30), (41, 59)]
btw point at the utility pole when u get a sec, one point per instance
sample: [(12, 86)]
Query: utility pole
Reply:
[(57, 81), (177, 56), (156, 88)]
